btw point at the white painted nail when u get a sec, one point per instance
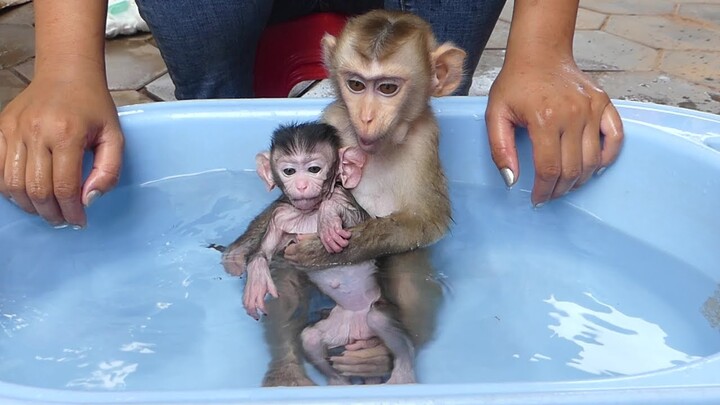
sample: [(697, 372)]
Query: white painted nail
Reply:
[(92, 196), (508, 176), (600, 171)]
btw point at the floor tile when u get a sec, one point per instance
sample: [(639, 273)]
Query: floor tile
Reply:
[(488, 68), (699, 67), (643, 7), (598, 50), (131, 64), (589, 20), (162, 88), (128, 97), (10, 86), (708, 13), (499, 36), (17, 44), (659, 88), (11, 3), (663, 32), (23, 15)]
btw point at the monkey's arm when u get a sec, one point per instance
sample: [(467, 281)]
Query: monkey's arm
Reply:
[(336, 213), (235, 257), (399, 232)]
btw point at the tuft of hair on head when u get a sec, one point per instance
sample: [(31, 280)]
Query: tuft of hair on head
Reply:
[(380, 33), (294, 138)]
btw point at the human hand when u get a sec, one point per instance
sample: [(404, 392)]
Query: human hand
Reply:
[(565, 114), (44, 132), (363, 358)]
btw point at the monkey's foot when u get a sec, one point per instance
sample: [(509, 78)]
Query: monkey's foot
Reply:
[(401, 378), (287, 375), (338, 380)]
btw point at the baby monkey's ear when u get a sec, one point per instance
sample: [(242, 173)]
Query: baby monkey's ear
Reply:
[(352, 160), (262, 160)]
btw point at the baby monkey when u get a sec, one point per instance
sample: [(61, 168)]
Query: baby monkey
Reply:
[(314, 174)]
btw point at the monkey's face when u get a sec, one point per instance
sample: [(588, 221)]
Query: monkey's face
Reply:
[(373, 104), (305, 178)]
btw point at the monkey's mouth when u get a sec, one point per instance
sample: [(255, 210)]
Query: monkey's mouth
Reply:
[(368, 146), (306, 204)]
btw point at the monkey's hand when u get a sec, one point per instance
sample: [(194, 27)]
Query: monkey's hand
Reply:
[(363, 358), (257, 285), (332, 235), (309, 253)]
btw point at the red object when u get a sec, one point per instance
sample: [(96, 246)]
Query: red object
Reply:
[(289, 53)]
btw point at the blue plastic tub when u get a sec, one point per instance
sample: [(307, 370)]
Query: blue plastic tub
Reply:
[(608, 295)]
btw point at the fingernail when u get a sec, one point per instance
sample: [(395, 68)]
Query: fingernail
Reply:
[(92, 196), (600, 171), (539, 205), (77, 227), (61, 225), (508, 176), (12, 200)]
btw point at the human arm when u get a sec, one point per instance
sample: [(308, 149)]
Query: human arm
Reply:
[(541, 88), (66, 109)]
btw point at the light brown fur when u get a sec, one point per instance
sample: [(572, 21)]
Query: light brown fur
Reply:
[(403, 184)]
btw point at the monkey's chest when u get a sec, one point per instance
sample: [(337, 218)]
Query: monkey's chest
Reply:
[(379, 188), (303, 224), (352, 287)]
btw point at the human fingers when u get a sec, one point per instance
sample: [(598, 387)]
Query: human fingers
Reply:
[(15, 164), (107, 164), (39, 184), (590, 152), (501, 135), (67, 178), (571, 159), (611, 127), (363, 344), (3, 150), (548, 162)]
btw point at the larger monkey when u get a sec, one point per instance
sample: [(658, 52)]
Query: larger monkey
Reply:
[(384, 66)]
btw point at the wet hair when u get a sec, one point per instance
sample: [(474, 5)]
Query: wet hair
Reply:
[(296, 138)]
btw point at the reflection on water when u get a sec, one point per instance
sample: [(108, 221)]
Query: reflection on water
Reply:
[(137, 302), (611, 342)]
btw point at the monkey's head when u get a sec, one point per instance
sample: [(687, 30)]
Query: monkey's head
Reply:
[(305, 161), (385, 66)]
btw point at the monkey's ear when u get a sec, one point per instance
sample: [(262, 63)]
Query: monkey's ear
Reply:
[(264, 170), (328, 43), (352, 160), (448, 61)]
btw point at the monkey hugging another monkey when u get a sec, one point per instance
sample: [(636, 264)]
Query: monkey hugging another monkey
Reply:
[(385, 66)]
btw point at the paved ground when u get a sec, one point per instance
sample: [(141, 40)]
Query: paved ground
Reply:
[(663, 51)]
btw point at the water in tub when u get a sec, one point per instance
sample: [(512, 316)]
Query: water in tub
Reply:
[(137, 302)]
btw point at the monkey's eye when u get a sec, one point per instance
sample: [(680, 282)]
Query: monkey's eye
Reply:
[(356, 86), (388, 89), (288, 171), (314, 169)]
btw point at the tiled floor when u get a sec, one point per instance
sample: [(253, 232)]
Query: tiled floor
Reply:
[(664, 51)]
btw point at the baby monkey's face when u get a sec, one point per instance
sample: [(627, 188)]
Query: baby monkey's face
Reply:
[(307, 177)]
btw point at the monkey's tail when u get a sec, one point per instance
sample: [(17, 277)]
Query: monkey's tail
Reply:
[(219, 248)]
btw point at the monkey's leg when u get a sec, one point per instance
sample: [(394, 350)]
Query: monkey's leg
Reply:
[(381, 321), (408, 281), (286, 318), (315, 345)]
